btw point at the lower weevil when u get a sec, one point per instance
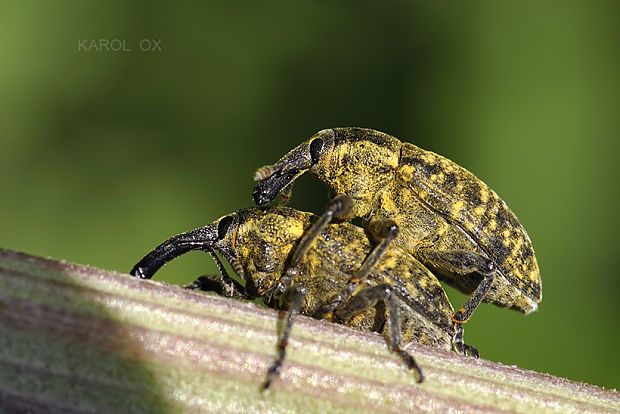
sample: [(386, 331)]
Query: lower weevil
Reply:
[(398, 297)]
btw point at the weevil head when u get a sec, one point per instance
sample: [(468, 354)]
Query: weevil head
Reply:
[(358, 162), (257, 242)]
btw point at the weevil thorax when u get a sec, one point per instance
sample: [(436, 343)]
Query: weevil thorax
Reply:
[(264, 239), (358, 162)]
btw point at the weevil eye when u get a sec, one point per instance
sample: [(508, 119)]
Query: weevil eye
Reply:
[(223, 226), (315, 149)]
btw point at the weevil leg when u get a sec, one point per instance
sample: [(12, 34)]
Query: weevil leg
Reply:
[(340, 207), (460, 346), (368, 298), (464, 313), (215, 283), (463, 262), (383, 231), (293, 297), (336, 301), (230, 286)]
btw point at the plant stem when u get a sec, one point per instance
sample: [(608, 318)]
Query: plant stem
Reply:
[(79, 339)]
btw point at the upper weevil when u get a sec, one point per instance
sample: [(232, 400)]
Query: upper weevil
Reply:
[(446, 217), (399, 297)]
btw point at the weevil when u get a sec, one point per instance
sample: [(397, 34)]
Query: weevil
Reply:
[(446, 217), (399, 297)]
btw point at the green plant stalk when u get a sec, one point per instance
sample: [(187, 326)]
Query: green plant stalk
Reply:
[(79, 339)]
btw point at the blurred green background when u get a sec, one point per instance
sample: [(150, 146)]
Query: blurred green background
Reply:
[(104, 154)]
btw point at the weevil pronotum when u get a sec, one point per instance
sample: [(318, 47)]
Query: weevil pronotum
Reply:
[(399, 297), (446, 217)]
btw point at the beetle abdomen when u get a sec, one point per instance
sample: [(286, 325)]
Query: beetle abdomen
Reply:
[(464, 200)]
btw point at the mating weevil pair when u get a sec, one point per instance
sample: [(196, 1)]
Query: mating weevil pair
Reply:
[(421, 210)]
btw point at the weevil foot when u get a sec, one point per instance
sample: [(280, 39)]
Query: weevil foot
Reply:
[(460, 347)]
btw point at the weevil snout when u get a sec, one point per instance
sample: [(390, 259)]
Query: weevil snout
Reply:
[(268, 189), (203, 238), (274, 178)]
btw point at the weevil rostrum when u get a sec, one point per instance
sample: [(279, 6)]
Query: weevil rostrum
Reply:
[(399, 297), (446, 217)]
